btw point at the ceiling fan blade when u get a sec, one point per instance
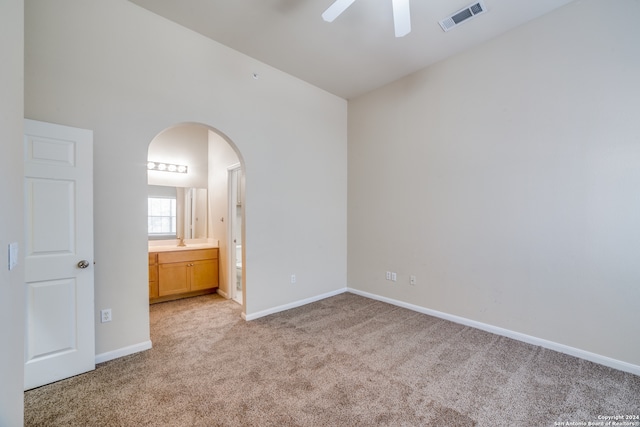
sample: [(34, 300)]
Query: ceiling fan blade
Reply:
[(336, 9), (401, 17)]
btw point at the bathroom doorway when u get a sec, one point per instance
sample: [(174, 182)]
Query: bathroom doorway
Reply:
[(206, 156), (234, 173)]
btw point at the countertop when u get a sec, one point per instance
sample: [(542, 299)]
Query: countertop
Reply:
[(189, 246)]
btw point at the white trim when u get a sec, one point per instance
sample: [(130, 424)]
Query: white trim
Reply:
[(124, 351), (582, 354), (222, 293), (294, 304)]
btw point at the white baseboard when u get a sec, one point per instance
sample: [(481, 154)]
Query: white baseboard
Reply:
[(222, 293), (124, 351), (582, 354), (253, 316)]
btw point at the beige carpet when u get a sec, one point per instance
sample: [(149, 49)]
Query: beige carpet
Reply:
[(343, 361)]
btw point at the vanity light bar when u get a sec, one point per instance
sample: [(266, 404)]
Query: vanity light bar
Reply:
[(166, 167)]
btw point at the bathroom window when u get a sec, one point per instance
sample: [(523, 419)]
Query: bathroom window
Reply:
[(162, 217)]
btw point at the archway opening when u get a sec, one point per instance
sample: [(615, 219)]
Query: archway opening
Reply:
[(196, 202)]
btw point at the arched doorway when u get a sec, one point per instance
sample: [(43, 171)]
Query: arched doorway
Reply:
[(200, 158)]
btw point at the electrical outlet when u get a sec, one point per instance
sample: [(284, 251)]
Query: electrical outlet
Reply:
[(388, 275), (412, 280), (394, 276), (105, 315), (293, 278)]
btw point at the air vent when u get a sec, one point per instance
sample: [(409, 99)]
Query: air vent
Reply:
[(463, 15)]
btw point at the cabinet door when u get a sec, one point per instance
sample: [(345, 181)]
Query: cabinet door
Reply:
[(204, 274), (173, 278)]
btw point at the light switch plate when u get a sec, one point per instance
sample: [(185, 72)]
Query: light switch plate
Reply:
[(13, 255)]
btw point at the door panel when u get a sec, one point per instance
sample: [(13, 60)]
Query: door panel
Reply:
[(59, 335), (51, 231), (52, 308)]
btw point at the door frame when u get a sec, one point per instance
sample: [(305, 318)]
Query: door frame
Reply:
[(234, 195)]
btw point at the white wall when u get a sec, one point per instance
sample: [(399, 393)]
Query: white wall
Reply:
[(11, 213), (507, 180), (128, 74)]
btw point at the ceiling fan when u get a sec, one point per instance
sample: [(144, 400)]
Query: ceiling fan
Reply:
[(401, 14)]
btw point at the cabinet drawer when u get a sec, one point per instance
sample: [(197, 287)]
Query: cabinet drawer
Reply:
[(187, 255)]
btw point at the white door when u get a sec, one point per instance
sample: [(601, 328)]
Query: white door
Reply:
[(60, 336)]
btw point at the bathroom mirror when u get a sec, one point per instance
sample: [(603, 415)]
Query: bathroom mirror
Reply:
[(176, 212)]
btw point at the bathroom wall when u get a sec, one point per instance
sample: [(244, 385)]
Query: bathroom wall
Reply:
[(183, 144), (221, 156)]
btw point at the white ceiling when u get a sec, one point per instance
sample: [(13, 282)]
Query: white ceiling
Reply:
[(355, 53)]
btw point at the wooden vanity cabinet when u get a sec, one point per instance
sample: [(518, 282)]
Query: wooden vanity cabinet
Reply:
[(153, 275), (186, 273)]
